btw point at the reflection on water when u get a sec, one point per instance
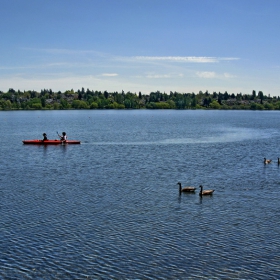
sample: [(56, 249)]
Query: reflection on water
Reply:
[(110, 207)]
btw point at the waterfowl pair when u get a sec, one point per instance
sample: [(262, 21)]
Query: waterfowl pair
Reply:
[(185, 189), (192, 190)]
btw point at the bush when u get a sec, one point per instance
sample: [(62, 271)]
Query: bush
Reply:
[(268, 106), (162, 105), (171, 104), (215, 105), (93, 105), (78, 104), (120, 106), (36, 106)]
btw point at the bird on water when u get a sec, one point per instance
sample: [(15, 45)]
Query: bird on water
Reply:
[(205, 192), (267, 161), (185, 189)]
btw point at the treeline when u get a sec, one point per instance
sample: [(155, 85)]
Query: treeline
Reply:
[(89, 99)]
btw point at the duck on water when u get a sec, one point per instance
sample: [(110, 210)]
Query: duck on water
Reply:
[(267, 161)]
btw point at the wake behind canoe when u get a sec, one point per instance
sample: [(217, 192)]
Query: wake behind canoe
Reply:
[(50, 142)]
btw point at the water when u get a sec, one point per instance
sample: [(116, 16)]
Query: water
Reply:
[(110, 209)]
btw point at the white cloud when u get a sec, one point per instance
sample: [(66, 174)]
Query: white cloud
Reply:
[(109, 74), (206, 75), (92, 53), (163, 76), (229, 58), (211, 75), (227, 75), (150, 76), (191, 59)]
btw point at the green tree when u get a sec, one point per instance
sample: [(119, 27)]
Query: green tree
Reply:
[(127, 103), (56, 106), (215, 105), (5, 104), (268, 106), (36, 106), (260, 95), (226, 96), (193, 103), (78, 104), (277, 105), (253, 106), (94, 105), (43, 102), (64, 104)]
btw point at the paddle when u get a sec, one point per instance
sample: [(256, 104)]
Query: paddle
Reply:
[(58, 135)]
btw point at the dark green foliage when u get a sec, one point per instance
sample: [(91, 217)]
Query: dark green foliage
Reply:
[(90, 99)]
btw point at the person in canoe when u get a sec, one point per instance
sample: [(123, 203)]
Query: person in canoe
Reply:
[(63, 137), (45, 137)]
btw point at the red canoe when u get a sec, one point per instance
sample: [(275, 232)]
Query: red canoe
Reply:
[(50, 142)]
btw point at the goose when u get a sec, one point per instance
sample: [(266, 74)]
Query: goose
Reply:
[(205, 192), (278, 160), (267, 161), (185, 189)]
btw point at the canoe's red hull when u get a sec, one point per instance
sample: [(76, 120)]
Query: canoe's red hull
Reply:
[(49, 142)]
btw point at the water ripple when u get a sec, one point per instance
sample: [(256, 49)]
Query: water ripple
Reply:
[(110, 209)]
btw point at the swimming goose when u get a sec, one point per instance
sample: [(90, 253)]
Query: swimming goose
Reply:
[(185, 189), (205, 192), (266, 161), (278, 160)]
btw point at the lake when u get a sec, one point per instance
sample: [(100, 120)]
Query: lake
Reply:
[(110, 208)]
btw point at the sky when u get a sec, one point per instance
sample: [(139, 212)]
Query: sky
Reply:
[(141, 45)]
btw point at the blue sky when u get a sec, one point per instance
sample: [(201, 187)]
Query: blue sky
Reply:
[(141, 45)]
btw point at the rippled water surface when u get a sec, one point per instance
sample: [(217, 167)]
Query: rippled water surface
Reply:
[(110, 207)]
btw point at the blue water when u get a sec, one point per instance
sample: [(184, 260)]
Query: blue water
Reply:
[(110, 207)]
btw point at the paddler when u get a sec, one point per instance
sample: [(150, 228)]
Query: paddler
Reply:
[(45, 137), (63, 138)]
